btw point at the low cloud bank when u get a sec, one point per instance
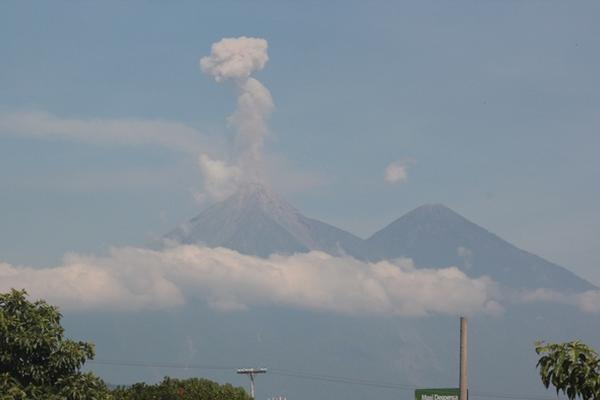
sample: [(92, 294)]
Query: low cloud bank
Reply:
[(134, 278), (588, 301)]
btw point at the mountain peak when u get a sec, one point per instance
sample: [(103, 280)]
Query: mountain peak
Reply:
[(433, 235), (254, 188), (433, 211), (435, 219), (255, 198), (432, 207), (256, 220), (259, 194)]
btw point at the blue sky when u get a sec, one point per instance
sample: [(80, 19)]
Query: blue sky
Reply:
[(492, 105)]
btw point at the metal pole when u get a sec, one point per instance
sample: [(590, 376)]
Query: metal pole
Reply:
[(251, 372), (463, 359)]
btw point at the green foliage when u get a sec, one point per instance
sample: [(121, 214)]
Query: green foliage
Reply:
[(571, 367), (181, 389), (36, 361)]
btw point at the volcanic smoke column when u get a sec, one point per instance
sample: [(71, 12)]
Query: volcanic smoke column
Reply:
[(234, 60)]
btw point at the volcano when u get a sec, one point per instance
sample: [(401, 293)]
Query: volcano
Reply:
[(435, 236), (257, 221)]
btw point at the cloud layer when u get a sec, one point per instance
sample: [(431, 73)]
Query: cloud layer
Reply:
[(588, 301), (223, 166), (131, 132), (133, 278)]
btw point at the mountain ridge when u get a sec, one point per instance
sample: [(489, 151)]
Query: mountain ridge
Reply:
[(474, 249), (257, 221)]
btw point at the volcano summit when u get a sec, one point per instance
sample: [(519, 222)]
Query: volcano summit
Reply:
[(257, 221)]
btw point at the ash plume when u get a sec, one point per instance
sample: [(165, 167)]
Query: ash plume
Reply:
[(234, 60)]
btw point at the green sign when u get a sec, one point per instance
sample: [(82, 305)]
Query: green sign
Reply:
[(437, 394)]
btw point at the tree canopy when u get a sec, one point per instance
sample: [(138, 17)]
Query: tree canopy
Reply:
[(181, 389), (572, 368), (36, 361)]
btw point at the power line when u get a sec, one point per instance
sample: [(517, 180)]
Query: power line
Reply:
[(508, 396), (118, 363), (276, 371), (364, 382), (310, 376), (341, 379)]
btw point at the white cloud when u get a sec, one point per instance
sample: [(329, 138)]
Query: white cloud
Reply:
[(81, 283), (588, 301), (396, 172), (235, 58), (133, 278), (220, 179), (130, 132)]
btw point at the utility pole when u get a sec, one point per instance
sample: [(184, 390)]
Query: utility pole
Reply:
[(251, 372), (463, 385)]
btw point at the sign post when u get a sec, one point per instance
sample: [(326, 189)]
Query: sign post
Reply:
[(437, 394), (463, 359)]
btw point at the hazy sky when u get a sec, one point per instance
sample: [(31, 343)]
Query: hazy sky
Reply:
[(490, 107)]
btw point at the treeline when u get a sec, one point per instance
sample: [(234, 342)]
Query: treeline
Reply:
[(38, 363), (180, 389)]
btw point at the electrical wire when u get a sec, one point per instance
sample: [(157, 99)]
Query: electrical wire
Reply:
[(118, 363), (340, 379), (310, 376)]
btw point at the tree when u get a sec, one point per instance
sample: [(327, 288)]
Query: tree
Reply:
[(181, 389), (36, 361), (572, 368)]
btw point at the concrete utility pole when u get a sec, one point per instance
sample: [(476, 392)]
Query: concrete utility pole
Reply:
[(463, 385), (251, 372)]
